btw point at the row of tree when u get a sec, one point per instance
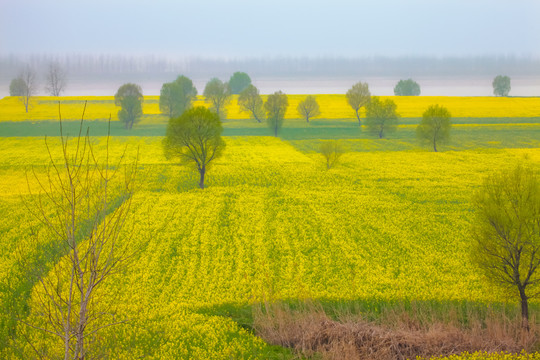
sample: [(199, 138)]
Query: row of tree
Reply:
[(176, 96), (25, 84)]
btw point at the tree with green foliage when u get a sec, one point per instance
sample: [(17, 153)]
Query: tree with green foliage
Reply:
[(501, 85), (17, 87), (407, 87), (381, 116), (358, 96), (130, 98), (308, 108), (176, 97), (218, 94), (238, 82), (195, 138), (434, 126), (251, 102), (506, 233), (276, 105), (331, 150)]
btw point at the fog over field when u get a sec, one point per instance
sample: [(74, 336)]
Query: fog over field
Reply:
[(450, 47)]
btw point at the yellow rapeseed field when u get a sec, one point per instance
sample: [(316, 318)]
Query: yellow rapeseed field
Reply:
[(332, 107), (272, 224)]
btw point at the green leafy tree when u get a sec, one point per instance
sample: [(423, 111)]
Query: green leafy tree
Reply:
[(358, 96), (308, 108), (407, 87), (195, 138), (238, 82), (251, 102), (501, 85), (435, 126), (506, 233), (381, 116), (331, 150), (276, 105), (129, 97), (177, 96), (17, 87), (218, 94)]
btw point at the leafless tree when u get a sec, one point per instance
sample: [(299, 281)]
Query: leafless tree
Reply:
[(28, 86), (90, 201), (56, 79)]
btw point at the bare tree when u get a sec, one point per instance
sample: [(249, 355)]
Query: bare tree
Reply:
[(90, 201), (27, 88), (55, 82), (332, 151)]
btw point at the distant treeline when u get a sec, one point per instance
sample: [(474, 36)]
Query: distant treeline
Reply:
[(85, 65)]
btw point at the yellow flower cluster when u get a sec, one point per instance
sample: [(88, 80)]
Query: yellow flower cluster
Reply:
[(272, 224)]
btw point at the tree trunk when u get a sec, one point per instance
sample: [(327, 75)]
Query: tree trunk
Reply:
[(256, 117), (275, 129), (201, 181), (358, 117), (524, 311), (434, 145)]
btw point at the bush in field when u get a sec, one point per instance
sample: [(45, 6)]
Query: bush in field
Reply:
[(434, 126), (276, 106), (308, 108), (501, 85), (358, 96), (381, 116), (506, 233), (407, 87), (195, 138), (238, 82), (176, 97), (331, 150), (129, 97)]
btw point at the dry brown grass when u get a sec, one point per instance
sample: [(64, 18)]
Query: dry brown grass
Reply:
[(398, 334)]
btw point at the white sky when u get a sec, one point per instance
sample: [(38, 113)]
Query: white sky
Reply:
[(255, 28)]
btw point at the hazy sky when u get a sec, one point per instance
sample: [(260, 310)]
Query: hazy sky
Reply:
[(254, 28)]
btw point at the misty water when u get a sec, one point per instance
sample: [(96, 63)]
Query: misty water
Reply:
[(430, 86)]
